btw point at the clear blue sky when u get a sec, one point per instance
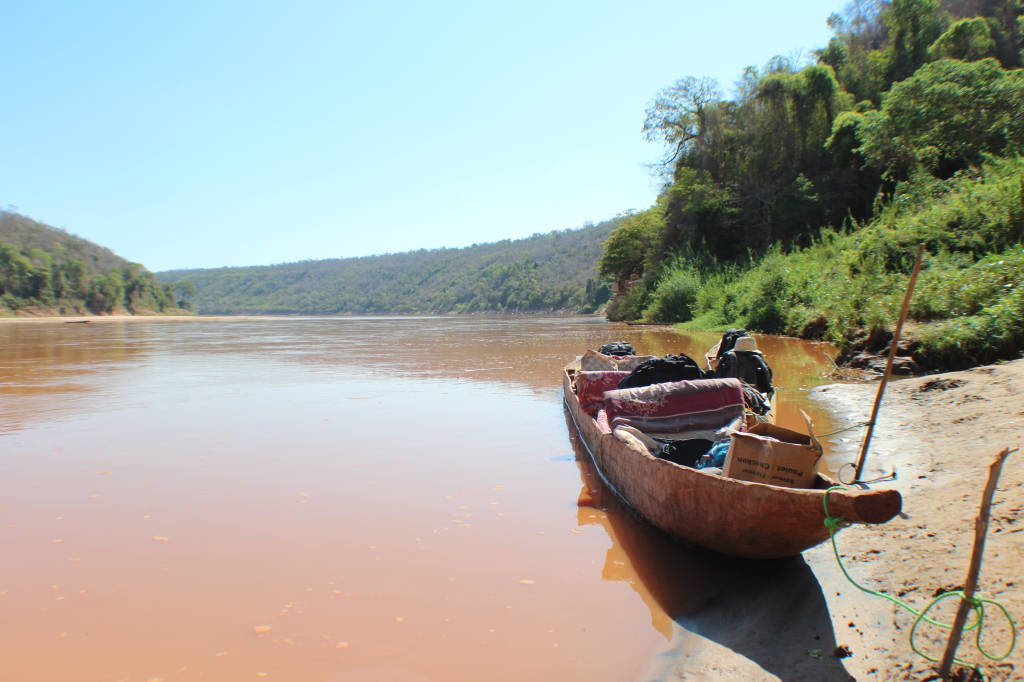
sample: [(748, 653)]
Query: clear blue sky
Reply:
[(201, 134)]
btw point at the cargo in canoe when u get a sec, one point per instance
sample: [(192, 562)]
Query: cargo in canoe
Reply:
[(738, 518)]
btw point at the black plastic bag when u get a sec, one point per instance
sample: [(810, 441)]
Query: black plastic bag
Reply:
[(618, 348), (663, 370), (686, 452)]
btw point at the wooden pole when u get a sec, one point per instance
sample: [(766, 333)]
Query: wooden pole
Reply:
[(888, 363), (980, 531)]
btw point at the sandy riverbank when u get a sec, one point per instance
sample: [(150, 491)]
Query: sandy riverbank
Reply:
[(940, 433)]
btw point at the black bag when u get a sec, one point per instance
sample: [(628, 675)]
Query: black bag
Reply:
[(749, 367), (663, 370), (686, 452), (728, 341), (754, 401), (618, 348)]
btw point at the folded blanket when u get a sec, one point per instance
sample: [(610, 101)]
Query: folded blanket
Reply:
[(678, 406)]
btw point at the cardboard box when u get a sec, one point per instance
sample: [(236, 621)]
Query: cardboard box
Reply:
[(770, 454)]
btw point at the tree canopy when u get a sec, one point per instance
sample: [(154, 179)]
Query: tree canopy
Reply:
[(800, 146), (946, 117)]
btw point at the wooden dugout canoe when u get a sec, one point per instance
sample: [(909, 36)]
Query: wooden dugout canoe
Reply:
[(739, 518)]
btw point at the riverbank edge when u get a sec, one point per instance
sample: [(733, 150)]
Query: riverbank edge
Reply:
[(939, 433), (47, 313)]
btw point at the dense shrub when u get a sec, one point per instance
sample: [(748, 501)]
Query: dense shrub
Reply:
[(675, 298)]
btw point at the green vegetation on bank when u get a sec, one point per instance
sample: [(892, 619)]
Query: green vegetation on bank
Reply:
[(796, 207), (44, 268), (554, 272)]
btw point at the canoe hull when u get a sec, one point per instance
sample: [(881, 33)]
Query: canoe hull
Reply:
[(734, 517)]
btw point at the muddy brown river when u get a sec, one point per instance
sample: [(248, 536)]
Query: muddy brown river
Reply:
[(342, 499)]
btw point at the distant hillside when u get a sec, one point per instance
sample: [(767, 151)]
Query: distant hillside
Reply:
[(46, 271), (544, 273), (26, 234)]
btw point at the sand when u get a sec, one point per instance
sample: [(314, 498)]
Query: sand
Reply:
[(940, 433)]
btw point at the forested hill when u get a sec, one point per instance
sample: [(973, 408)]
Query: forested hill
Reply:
[(26, 234), (543, 273), (47, 271)]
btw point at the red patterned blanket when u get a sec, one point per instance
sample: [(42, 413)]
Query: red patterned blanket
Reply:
[(705, 404), (591, 386)]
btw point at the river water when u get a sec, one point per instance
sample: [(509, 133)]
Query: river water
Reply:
[(342, 499)]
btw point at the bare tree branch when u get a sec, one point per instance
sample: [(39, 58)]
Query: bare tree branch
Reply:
[(678, 115)]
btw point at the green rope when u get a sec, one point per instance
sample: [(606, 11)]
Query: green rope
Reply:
[(848, 428), (835, 523)]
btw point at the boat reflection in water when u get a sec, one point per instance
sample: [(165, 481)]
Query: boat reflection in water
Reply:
[(708, 606)]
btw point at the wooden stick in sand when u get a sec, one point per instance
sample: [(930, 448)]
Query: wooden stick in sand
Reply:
[(980, 531), (888, 363)]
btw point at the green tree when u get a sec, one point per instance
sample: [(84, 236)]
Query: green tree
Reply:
[(856, 52), (76, 275), (945, 117), (630, 249), (1004, 22), (967, 40), (106, 292), (755, 170), (913, 26), (17, 273)]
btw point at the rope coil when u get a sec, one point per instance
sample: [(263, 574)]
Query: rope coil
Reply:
[(835, 523)]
